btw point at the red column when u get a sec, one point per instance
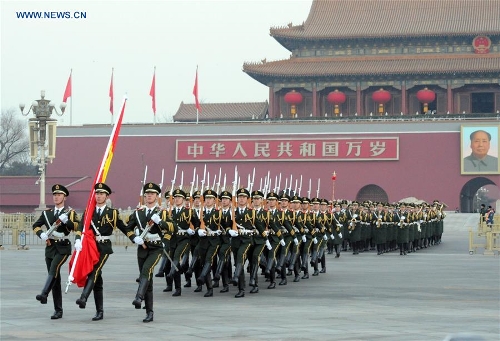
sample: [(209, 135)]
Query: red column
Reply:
[(271, 103), (404, 109), (358, 100), (314, 101), (449, 99)]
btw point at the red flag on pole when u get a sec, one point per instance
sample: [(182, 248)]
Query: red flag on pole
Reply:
[(111, 94), (195, 92), (82, 262), (67, 92), (152, 92)]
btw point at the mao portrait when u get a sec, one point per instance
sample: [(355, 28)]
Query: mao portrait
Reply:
[(480, 149)]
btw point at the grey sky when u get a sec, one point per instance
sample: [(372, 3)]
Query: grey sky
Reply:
[(132, 37)]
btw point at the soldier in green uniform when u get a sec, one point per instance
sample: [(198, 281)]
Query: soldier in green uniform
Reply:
[(224, 267), (59, 222), (338, 220), (209, 242), (325, 222), (194, 265), (187, 222), (354, 218), (242, 238), (166, 245), (104, 220), (403, 230), (261, 222), (275, 236), (307, 237), (298, 227), (151, 223), (286, 219)]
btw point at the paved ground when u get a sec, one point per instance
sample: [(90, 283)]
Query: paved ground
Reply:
[(423, 296)]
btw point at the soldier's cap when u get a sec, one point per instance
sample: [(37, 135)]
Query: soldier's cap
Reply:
[(101, 187), (196, 194), (257, 194), (226, 194), (167, 194), (323, 202), (179, 193), (188, 195), (296, 198), (285, 196), (337, 204), (151, 187), (305, 200), (209, 194), (315, 200), (243, 192), (272, 196), (60, 189), (355, 203)]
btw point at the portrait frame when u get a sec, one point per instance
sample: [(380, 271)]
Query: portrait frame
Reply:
[(466, 166)]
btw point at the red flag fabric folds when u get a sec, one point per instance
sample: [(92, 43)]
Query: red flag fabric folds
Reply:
[(195, 92), (67, 91), (89, 256), (152, 93)]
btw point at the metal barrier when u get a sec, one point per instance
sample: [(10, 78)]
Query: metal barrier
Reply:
[(16, 231), (486, 236)]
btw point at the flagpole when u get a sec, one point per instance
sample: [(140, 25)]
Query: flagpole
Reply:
[(71, 103), (196, 116)]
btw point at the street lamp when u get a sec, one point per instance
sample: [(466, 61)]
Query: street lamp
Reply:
[(42, 137)]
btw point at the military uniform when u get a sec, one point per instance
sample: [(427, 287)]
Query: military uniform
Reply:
[(261, 223), (274, 237), (57, 248), (338, 220), (286, 219), (224, 267), (153, 225), (104, 221)]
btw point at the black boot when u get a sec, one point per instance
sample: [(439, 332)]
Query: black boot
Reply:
[(177, 292), (237, 272), (99, 304), (49, 283), (89, 285), (269, 265), (253, 276), (220, 267), (169, 285), (305, 259), (189, 271), (148, 302), (161, 270), (241, 293), (209, 293), (254, 290), (141, 291), (57, 298), (173, 270), (204, 272)]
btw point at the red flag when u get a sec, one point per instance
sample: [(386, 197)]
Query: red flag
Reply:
[(82, 262), (111, 94), (152, 92), (67, 92), (195, 92)]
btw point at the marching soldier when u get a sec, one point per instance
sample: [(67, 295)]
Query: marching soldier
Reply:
[(298, 227), (403, 230), (152, 224), (104, 221), (194, 265), (338, 220), (325, 222), (275, 236), (286, 219), (166, 246), (242, 239), (224, 266), (307, 237), (354, 228), (209, 242), (261, 222), (187, 222), (59, 221)]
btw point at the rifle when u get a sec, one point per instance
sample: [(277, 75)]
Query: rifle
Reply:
[(235, 182), (171, 199), (192, 182), (141, 193), (54, 226), (161, 185), (252, 182), (317, 191), (149, 224), (300, 188), (309, 191)]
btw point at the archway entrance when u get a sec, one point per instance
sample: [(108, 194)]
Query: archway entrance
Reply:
[(372, 193), (471, 198)]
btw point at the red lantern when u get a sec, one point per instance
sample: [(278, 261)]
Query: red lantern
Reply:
[(381, 97), (293, 98), (336, 97), (334, 176), (426, 96)]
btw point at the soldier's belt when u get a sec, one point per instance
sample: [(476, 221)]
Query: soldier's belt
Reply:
[(52, 237), (102, 239), (181, 232), (152, 237), (245, 232)]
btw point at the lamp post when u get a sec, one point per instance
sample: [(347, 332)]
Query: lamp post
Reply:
[(334, 177), (42, 137)]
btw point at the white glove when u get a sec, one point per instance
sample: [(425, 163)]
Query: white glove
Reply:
[(202, 232), (325, 237), (78, 245), (315, 240), (190, 231), (64, 218), (233, 233), (156, 218), (332, 236), (44, 236), (138, 240), (340, 235), (268, 245), (295, 241), (304, 239), (282, 242)]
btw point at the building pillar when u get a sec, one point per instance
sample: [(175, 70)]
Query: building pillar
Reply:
[(404, 108), (271, 103), (359, 110), (314, 101), (449, 99)]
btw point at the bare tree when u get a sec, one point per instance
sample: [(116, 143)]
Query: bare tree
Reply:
[(14, 140)]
